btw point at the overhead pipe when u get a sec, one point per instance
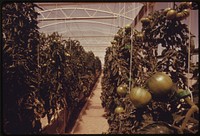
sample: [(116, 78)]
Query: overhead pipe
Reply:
[(93, 36), (78, 18)]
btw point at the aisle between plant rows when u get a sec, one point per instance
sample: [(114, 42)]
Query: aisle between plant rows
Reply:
[(91, 120)]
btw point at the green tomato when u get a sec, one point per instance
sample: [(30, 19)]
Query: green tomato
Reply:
[(171, 14), (122, 90), (119, 110), (166, 10), (53, 62), (67, 54), (139, 96), (186, 12), (128, 28), (140, 37), (145, 20), (180, 16), (160, 83)]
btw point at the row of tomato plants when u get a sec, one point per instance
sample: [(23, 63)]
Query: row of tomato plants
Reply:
[(41, 73), (153, 96)]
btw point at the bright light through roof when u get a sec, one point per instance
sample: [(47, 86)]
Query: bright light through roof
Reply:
[(82, 21)]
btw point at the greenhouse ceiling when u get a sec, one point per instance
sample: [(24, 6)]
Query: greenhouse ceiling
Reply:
[(93, 24)]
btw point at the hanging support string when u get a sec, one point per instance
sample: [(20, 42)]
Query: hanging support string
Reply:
[(189, 58), (147, 12), (131, 55), (38, 63)]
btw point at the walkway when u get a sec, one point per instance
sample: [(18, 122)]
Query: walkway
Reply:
[(91, 120)]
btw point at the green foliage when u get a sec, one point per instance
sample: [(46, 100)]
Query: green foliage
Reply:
[(22, 105), (41, 74), (172, 37), (67, 72)]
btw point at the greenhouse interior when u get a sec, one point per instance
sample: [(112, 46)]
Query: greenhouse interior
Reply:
[(100, 67)]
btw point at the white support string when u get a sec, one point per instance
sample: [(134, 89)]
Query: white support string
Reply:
[(122, 42), (38, 63), (131, 50), (118, 15), (70, 48), (113, 22), (119, 22), (188, 80), (147, 12), (56, 16), (124, 15), (130, 72), (123, 24)]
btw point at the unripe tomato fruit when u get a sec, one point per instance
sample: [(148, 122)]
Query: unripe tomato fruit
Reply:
[(160, 83), (171, 14), (128, 28), (149, 17), (145, 20), (180, 16), (53, 61), (186, 12), (113, 42), (119, 109), (140, 37), (166, 10), (67, 54), (122, 89), (139, 96)]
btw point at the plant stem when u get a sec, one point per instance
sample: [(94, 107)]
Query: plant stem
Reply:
[(193, 109)]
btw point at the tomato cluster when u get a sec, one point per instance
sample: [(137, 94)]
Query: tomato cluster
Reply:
[(181, 13)]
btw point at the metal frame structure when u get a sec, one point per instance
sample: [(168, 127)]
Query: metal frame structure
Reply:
[(86, 11), (93, 24), (79, 21)]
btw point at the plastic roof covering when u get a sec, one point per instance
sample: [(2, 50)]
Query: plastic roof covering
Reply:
[(93, 24)]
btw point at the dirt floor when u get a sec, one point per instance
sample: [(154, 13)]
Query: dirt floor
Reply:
[(91, 119)]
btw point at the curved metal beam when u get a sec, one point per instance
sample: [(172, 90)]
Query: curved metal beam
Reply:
[(89, 30), (116, 14), (77, 18), (94, 30), (82, 21)]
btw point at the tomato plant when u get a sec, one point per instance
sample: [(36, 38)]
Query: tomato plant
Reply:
[(156, 32), (41, 73), (66, 60), (22, 105)]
